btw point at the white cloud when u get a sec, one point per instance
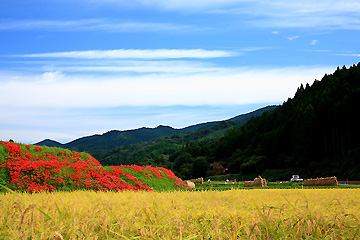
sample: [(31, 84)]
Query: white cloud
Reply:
[(94, 25), (57, 69), (188, 5), (347, 54), (333, 14), (262, 6), (45, 24), (179, 67), (145, 27), (185, 5), (314, 42), (328, 14), (65, 107), (293, 37), (49, 77), (136, 53), (236, 86)]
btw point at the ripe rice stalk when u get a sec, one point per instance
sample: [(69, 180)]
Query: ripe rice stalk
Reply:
[(233, 214)]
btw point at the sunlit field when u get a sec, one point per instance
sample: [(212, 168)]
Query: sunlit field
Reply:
[(233, 214)]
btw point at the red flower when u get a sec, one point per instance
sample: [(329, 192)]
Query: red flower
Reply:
[(49, 171), (38, 149)]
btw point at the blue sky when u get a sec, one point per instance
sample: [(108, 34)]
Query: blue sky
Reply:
[(74, 68)]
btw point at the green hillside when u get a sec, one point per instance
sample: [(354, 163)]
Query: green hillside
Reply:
[(314, 134), (33, 169), (157, 151)]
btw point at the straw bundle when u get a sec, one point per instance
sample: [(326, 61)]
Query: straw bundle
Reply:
[(190, 184), (197, 180), (258, 182), (329, 181)]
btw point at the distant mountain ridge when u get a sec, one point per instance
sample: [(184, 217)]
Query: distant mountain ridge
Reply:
[(117, 138), (49, 143)]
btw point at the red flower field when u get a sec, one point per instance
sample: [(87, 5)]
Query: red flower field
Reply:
[(32, 169)]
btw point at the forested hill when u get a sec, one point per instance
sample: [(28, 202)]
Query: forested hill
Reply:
[(157, 151), (116, 138), (316, 134)]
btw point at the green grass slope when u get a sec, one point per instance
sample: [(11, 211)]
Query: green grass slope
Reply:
[(33, 169)]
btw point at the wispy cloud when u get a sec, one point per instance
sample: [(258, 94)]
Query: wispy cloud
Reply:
[(314, 42), (179, 61), (45, 24), (348, 54), (293, 37), (185, 5), (179, 67), (327, 14), (340, 14), (56, 68), (95, 25), (136, 54), (298, 7)]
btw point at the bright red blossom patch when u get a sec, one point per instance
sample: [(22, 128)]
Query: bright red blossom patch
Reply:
[(49, 171)]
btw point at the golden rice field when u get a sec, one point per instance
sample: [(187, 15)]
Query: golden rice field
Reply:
[(233, 214)]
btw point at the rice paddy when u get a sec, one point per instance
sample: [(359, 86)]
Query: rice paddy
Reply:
[(232, 214)]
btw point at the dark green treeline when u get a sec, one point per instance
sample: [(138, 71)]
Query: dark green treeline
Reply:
[(316, 134)]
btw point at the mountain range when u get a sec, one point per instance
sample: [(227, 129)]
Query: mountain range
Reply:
[(117, 138)]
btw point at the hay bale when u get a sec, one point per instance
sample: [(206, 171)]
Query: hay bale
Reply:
[(258, 182), (197, 180), (263, 182), (250, 184), (190, 184), (329, 181)]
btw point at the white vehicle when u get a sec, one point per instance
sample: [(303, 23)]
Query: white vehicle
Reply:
[(296, 178)]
